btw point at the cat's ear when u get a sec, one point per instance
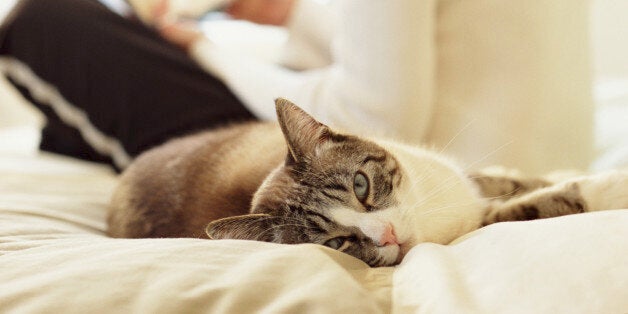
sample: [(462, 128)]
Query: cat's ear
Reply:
[(259, 227), (302, 132)]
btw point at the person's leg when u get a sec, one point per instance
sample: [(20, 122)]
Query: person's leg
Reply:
[(114, 81), (58, 137)]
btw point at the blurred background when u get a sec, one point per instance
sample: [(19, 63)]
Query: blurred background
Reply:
[(19, 122)]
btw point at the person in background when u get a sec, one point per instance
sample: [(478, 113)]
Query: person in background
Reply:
[(366, 67)]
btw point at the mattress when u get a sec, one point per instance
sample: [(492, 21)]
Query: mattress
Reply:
[(55, 257)]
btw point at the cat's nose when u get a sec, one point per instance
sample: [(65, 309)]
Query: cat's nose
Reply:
[(388, 236)]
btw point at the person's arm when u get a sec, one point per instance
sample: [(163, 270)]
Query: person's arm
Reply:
[(311, 27), (380, 82), (308, 44), (145, 9)]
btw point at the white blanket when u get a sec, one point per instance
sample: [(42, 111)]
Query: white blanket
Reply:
[(55, 258)]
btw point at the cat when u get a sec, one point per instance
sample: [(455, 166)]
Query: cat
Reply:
[(299, 181)]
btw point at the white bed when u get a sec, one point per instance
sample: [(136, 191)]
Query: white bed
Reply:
[(55, 258)]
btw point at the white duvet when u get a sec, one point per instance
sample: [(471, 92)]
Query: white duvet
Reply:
[(54, 258)]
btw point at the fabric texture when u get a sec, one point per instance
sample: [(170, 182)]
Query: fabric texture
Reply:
[(55, 257)]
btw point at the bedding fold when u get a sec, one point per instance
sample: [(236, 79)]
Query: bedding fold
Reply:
[(54, 257)]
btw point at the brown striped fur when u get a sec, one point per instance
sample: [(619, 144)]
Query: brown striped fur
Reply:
[(298, 181)]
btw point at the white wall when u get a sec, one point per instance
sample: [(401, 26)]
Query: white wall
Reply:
[(609, 26)]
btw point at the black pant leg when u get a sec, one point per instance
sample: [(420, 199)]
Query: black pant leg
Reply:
[(132, 85)]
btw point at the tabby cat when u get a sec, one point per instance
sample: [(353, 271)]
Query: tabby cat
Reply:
[(298, 181)]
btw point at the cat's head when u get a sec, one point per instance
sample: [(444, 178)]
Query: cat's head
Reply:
[(347, 193)]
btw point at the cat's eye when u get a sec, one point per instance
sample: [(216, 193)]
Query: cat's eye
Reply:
[(338, 243), (360, 186)]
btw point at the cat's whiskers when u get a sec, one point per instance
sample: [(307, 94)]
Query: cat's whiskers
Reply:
[(511, 193), (438, 210), (425, 175), (441, 208), (430, 173), (495, 151), (440, 188), (456, 135), (435, 191)]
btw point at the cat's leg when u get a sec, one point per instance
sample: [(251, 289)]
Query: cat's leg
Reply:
[(503, 185), (588, 193)]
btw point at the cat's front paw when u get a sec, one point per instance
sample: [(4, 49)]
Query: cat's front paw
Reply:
[(497, 212), (492, 214)]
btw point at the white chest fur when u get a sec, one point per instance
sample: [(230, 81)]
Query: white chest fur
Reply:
[(436, 201)]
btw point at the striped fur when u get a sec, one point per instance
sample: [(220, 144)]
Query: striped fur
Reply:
[(301, 182)]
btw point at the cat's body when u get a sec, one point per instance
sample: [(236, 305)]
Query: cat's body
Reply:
[(373, 199), (176, 189)]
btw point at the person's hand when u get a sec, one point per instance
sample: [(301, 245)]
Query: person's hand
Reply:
[(181, 33), (272, 12)]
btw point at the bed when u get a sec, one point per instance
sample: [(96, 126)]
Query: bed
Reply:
[(56, 258)]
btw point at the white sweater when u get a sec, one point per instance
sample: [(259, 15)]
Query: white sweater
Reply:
[(384, 81)]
